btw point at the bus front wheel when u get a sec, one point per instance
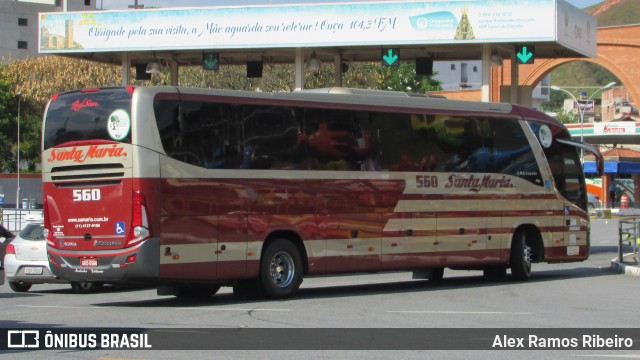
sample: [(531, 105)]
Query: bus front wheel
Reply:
[(521, 254), (281, 269)]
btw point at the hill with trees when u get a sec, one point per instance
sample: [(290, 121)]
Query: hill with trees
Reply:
[(582, 74)]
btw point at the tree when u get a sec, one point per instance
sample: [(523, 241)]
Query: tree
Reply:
[(404, 78), (37, 80), (8, 128)]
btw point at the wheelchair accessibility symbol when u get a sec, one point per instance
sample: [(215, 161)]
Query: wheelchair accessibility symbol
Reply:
[(120, 228)]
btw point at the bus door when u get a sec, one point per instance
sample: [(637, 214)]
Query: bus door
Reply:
[(575, 220), (568, 176)]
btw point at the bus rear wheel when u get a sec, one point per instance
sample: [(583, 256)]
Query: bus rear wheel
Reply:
[(281, 269), (521, 255)]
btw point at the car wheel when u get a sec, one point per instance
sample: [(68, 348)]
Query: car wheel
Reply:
[(19, 286), (84, 287)]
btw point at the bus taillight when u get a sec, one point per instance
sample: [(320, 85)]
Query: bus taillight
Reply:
[(139, 221), (47, 223)]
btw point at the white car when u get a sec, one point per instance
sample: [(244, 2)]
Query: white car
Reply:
[(26, 262)]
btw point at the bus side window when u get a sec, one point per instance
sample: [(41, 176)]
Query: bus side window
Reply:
[(271, 138), (408, 142)]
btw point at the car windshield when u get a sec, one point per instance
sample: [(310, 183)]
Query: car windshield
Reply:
[(32, 232)]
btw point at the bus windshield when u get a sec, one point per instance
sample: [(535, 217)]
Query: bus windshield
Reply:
[(88, 115)]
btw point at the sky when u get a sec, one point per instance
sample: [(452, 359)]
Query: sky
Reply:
[(123, 4)]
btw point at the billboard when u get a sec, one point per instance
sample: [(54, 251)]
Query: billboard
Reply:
[(321, 25)]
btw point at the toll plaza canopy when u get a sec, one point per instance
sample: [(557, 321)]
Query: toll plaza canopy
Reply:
[(332, 32)]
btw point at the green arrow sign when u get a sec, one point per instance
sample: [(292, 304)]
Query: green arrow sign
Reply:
[(210, 61), (525, 54), (390, 57)]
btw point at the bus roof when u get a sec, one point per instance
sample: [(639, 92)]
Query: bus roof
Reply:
[(364, 99)]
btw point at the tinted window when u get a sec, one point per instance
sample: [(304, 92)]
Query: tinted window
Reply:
[(455, 144), (242, 136), (32, 232), (78, 116)]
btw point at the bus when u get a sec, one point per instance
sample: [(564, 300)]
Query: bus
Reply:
[(193, 189)]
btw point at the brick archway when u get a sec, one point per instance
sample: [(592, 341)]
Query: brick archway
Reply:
[(618, 52)]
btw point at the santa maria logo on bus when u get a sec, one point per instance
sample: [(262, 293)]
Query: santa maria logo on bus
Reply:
[(475, 183), (119, 124), (79, 155)]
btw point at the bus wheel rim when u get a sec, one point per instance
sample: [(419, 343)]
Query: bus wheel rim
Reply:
[(282, 269), (527, 255)]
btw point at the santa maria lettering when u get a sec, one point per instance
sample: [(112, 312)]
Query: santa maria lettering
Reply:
[(476, 183), (93, 152)]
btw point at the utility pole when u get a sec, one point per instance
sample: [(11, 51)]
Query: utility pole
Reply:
[(135, 5), (18, 154)]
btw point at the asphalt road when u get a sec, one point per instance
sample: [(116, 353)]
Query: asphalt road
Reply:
[(573, 295)]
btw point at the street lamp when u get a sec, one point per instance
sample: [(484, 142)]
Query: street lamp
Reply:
[(18, 154), (580, 111)]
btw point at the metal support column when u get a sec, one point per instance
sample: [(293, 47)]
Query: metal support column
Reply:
[(173, 65), (485, 88), (126, 69), (515, 82), (299, 69), (337, 72)]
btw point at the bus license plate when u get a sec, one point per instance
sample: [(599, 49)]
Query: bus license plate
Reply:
[(33, 271), (89, 262)]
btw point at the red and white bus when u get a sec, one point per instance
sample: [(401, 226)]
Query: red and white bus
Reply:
[(193, 189)]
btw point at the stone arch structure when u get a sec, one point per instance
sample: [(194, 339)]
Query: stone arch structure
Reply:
[(618, 52)]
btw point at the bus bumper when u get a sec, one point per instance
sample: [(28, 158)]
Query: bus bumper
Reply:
[(128, 265)]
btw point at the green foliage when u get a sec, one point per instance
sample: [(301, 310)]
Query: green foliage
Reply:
[(556, 101), (8, 128), (582, 73), (404, 78), (622, 13)]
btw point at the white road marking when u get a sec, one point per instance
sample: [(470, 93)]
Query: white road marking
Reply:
[(199, 308), (59, 307), (458, 312), (232, 309)]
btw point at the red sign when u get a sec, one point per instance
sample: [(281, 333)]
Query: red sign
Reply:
[(80, 155), (77, 105)]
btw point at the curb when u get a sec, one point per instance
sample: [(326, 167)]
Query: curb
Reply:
[(625, 269)]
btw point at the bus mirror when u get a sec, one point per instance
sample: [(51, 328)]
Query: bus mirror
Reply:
[(589, 148)]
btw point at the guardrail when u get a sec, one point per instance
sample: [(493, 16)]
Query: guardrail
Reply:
[(628, 232), (16, 219)]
